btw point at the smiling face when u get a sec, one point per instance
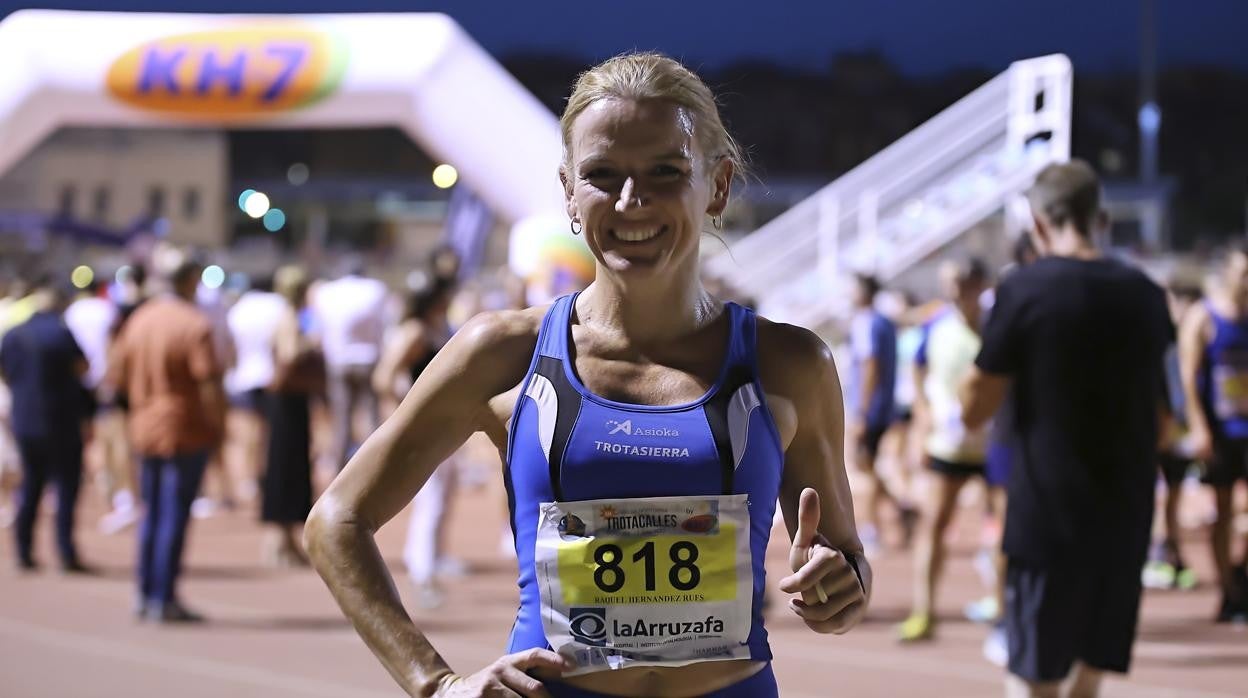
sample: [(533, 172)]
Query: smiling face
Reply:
[(640, 185)]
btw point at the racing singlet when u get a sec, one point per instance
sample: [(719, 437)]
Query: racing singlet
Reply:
[(640, 530), (1224, 377), (948, 351)]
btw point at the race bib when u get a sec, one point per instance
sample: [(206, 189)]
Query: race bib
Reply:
[(664, 581), (1231, 392)]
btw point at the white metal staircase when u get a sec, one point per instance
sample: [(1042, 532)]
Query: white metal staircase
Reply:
[(906, 202)]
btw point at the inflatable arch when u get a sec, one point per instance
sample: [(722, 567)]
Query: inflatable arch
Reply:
[(419, 72)]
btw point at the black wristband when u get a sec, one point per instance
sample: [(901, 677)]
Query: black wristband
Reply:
[(853, 564)]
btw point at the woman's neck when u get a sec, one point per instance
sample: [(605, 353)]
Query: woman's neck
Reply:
[(646, 316), (1228, 305)]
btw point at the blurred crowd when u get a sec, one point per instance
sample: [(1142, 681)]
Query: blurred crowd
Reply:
[(172, 401), (904, 362)]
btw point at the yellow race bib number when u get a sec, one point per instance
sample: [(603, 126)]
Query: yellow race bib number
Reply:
[(649, 569)]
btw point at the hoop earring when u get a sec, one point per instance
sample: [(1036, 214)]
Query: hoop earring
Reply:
[(717, 222), (575, 226)]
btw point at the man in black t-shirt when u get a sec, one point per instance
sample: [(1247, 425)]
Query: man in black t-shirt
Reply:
[(1079, 339)]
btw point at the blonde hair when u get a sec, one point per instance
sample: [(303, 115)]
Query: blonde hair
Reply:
[(291, 282), (638, 76)]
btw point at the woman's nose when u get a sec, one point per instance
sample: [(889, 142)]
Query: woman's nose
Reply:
[(630, 197)]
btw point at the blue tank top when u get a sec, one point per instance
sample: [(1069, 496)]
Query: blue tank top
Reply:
[(568, 444), (1224, 377)]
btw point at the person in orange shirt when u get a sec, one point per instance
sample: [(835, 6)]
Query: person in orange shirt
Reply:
[(165, 361)]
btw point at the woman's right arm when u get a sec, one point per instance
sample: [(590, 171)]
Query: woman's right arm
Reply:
[(447, 404)]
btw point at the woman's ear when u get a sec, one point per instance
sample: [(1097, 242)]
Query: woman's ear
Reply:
[(568, 201), (721, 187)]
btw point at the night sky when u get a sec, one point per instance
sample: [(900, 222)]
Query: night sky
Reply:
[(920, 36)]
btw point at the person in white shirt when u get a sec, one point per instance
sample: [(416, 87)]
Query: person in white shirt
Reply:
[(252, 323), (351, 315), (224, 482), (93, 321), (955, 453)]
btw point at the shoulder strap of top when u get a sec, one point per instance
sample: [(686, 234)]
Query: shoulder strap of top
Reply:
[(735, 395), (547, 381), (742, 346), (554, 337)]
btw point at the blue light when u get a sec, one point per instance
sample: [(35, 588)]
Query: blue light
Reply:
[(213, 276), (242, 198), (274, 219), (1150, 118)]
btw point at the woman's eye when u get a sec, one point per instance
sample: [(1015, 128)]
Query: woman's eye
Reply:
[(598, 173), (667, 171)]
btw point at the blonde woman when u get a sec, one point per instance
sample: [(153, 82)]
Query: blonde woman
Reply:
[(647, 431)]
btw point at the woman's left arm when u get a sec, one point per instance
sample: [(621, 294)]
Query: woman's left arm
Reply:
[(831, 571)]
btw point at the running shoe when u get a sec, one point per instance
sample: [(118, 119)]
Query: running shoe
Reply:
[(916, 628), (983, 611), (997, 647)]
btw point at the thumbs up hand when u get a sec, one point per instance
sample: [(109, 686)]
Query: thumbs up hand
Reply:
[(832, 598)]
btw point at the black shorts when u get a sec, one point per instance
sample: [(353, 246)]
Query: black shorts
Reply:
[(953, 469), (1229, 463), (254, 400), (1174, 468), (1058, 614), (871, 438)]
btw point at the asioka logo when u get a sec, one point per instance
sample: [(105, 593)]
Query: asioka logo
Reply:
[(240, 72), (626, 427)]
